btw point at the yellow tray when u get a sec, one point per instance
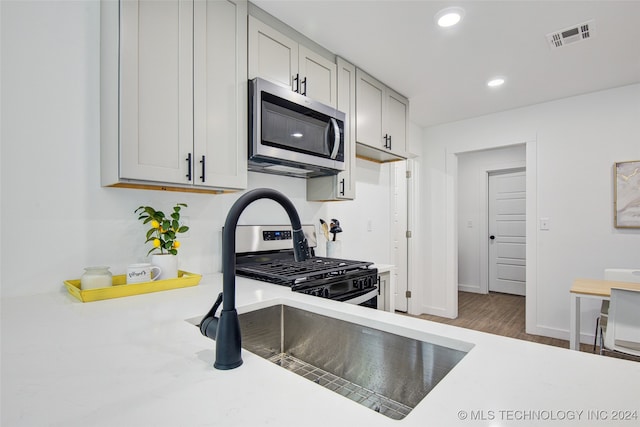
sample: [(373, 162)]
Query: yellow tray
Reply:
[(121, 289)]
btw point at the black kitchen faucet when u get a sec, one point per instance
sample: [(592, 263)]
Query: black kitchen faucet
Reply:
[(226, 329)]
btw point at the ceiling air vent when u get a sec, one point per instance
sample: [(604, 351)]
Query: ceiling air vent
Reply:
[(574, 34)]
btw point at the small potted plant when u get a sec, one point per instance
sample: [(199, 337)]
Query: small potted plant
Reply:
[(163, 236)]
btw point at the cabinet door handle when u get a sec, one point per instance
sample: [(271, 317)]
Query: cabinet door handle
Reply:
[(386, 140), (389, 147), (304, 82), (296, 80), (188, 167), (202, 162), (342, 187)]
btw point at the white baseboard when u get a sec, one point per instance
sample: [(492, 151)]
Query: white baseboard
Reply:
[(469, 288)]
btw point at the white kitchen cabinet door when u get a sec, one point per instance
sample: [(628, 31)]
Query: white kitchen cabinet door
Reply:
[(272, 55), (173, 94), (341, 186), (317, 76), (381, 120), (281, 60), (220, 94), (156, 119), (369, 110), (397, 110)]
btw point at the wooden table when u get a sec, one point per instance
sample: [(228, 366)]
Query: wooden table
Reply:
[(590, 288)]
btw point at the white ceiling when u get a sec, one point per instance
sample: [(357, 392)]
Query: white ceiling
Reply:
[(444, 71)]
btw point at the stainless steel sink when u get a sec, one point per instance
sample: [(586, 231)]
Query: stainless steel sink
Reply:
[(385, 372)]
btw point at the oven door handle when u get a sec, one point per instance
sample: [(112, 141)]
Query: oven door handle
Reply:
[(370, 293)]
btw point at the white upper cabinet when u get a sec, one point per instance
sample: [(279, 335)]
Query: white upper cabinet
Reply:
[(174, 94), (275, 57), (156, 66), (220, 94), (369, 110), (397, 112), (381, 120), (343, 185)]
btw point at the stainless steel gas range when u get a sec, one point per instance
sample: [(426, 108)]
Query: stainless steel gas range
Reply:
[(265, 252)]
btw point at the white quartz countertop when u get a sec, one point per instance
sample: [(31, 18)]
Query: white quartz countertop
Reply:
[(135, 361)]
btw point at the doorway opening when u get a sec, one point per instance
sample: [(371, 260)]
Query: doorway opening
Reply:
[(491, 226)]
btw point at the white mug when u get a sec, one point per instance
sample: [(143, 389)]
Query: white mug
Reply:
[(138, 273)]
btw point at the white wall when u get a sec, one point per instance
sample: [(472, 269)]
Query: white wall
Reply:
[(473, 218), (56, 219), (575, 142)]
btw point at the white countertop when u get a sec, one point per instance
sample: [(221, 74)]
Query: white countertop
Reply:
[(135, 361)]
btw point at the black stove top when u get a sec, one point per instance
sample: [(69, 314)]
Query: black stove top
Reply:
[(266, 253), (286, 271)]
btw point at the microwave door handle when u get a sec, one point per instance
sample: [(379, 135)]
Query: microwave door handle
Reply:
[(336, 139)]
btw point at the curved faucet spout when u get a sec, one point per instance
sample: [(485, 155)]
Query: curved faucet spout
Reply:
[(226, 329)]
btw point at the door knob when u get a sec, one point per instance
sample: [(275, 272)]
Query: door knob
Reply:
[(492, 237)]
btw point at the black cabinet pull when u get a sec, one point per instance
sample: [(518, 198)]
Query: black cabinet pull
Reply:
[(342, 187), (389, 147), (188, 167), (386, 140), (303, 82), (202, 162), (296, 80)]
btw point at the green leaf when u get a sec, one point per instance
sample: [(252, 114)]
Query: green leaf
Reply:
[(166, 224), (175, 216), (150, 233), (170, 235), (175, 224), (183, 229), (173, 252)]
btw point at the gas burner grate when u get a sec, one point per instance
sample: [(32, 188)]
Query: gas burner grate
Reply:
[(290, 272)]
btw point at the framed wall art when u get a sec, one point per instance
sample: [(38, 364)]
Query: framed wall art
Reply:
[(627, 194)]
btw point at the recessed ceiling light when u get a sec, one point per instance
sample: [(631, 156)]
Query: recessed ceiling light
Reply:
[(449, 17), (498, 81)]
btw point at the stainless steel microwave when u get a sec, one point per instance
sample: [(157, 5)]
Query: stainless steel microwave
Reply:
[(290, 134)]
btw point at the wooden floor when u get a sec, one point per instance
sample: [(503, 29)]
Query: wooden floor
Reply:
[(499, 314)]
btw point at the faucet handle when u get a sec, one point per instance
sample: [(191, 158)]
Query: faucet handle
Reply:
[(210, 319)]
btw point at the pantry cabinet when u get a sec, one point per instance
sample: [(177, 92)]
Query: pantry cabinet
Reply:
[(174, 94), (381, 120), (342, 185), (280, 59)]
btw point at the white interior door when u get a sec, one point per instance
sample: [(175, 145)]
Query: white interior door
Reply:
[(507, 236)]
